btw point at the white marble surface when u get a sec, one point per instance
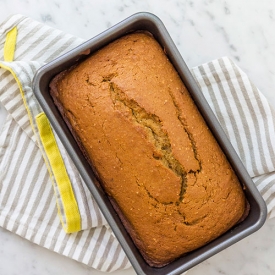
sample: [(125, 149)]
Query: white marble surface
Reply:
[(202, 30)]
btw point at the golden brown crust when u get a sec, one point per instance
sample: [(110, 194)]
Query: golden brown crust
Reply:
[(168, 178)]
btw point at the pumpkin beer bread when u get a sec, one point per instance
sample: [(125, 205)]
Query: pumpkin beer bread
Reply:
[(153, 153)]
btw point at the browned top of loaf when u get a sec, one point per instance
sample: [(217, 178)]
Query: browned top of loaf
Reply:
[(151, 148)]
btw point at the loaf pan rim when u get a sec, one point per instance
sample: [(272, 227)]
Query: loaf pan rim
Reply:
[(181, 67)]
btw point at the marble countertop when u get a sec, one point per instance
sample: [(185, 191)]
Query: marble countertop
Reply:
[(202, 30)]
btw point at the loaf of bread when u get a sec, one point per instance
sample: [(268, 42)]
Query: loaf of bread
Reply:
[(152, 151)]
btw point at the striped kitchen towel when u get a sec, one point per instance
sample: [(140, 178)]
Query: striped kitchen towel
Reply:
[(42, 196)]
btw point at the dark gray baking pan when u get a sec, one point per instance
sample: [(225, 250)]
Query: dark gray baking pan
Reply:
[(148, 22)]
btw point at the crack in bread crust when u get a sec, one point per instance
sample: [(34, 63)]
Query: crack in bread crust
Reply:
[(155, 134), (184, 125)]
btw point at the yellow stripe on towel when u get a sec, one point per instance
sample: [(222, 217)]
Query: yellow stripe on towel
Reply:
[(9, 47), (70, 206), (72, 222)]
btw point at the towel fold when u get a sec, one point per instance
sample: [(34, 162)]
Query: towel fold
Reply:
[(43, 197)]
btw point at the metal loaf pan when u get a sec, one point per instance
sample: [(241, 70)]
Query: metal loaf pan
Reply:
[(148, 22)]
